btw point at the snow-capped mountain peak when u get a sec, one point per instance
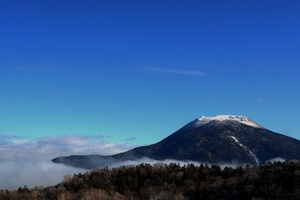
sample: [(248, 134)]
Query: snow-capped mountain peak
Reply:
[(224, 139), (241, 119)]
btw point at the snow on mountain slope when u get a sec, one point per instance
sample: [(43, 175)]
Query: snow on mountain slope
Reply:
[(251, 153), (241, 119)]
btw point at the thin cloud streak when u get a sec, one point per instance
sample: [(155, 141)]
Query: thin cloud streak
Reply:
[(43, 68), (261, 99), (131, 139), (177, 71)]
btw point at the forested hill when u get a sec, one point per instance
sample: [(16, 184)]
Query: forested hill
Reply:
[(278, 180)]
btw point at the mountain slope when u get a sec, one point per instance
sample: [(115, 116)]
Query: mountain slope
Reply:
[(220, 139)]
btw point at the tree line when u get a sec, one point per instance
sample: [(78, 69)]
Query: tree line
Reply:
[(277, 180)]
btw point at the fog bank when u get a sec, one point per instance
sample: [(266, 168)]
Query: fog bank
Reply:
[(28, 162)]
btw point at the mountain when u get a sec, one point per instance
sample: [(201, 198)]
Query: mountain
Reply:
[(220, 139)]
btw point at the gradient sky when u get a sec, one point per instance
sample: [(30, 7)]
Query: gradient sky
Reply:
[(133, 72)]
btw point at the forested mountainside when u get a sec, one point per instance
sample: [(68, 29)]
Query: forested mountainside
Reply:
[(278, 180)]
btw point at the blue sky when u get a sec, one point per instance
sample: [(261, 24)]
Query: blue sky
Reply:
[(133, 72)]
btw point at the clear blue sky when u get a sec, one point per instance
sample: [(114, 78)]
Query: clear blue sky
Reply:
[(136, 71)]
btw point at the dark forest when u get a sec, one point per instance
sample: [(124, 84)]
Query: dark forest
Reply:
[(277, 180)]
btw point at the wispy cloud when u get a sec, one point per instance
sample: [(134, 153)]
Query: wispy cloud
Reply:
[(187, 72), (42, 68), (34, 68), (131, 139), (80, 73), (261, 99), (57, 146)]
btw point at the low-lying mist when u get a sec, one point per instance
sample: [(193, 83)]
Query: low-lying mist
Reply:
[(28, 162)]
